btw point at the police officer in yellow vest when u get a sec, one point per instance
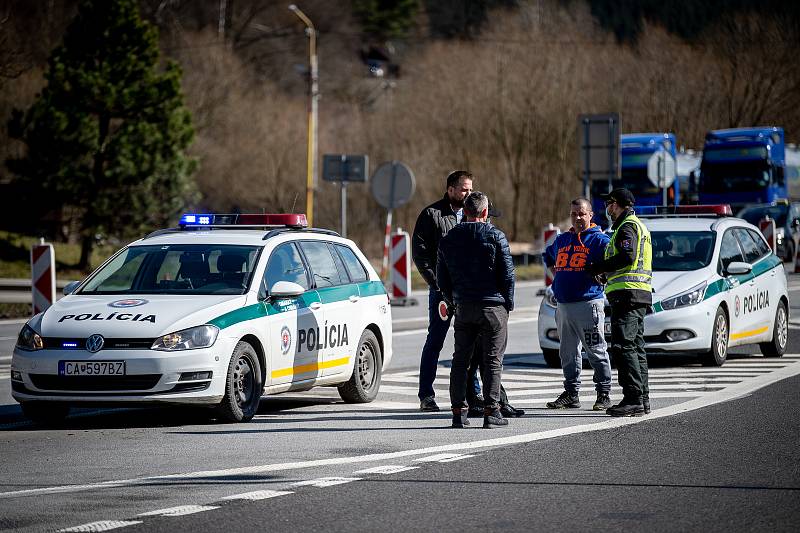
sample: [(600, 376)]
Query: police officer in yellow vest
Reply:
[(627, 267)]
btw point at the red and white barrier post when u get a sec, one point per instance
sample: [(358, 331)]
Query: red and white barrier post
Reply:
[(767, 227), (386, 237), (43, 276), (400, 259), (549, 235)]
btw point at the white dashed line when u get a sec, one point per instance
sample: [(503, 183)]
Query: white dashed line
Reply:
[(181, 510), (386, 469), (102, 525), (257, 495), (326, 482)]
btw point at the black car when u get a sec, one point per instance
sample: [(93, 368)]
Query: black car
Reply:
[(787, 224)]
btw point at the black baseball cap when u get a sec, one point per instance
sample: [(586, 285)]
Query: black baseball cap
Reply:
[(622, 196), (493, 211)]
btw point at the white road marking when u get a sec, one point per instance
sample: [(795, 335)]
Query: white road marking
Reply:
[(257, 495), (424, 318), (102, 525), (425, 330), (438, 457), (326, 482), (386, 469), (181, 510), (451, 459), (8, 338), (729, 393)]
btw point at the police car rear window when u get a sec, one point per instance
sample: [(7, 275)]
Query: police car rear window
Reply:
[(681, 250), (176, 269)]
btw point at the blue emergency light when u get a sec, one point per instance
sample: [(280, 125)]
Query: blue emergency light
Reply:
[(217, 220)]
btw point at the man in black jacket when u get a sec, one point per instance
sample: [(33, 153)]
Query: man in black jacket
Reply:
[(475, 272), (433, 223)]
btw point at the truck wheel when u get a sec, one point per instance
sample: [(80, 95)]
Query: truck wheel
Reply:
[(243, 385), (719, 340), (363, 385), (45, 413), (551, 357), (780, 334)]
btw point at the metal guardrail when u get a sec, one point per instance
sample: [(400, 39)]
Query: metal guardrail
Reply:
[(22, 284)]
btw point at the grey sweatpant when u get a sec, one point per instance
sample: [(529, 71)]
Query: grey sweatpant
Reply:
[(581, 323)]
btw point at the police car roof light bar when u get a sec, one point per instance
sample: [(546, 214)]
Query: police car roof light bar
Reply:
[(716, 210), (243, 220)]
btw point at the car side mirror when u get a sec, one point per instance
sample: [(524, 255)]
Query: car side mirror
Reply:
[(737, 268), (70, 287), (286, 289)]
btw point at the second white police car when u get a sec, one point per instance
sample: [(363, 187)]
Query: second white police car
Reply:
[(716, 284), (217, 312)]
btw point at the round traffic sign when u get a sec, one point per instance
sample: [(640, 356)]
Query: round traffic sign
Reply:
[(393, 184)]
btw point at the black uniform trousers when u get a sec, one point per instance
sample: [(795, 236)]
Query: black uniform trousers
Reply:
[(627, 350)]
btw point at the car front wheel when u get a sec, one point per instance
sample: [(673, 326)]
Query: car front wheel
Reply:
[(243, 385), (365, 381), (551, 357), (719, 340)]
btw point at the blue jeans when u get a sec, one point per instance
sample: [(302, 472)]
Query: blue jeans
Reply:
[(437, 331)]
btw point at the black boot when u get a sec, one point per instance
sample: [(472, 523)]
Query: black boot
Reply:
[(460, 417), (493, 418)]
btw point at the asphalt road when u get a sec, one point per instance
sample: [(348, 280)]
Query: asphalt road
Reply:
[(718, 452)]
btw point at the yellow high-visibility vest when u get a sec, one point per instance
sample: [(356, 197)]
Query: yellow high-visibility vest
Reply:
[(639, 274)]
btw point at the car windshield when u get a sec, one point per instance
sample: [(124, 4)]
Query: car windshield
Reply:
[(681, 250), (740, 176), (176, 269), (776, 212)]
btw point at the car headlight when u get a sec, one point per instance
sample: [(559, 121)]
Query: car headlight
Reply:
[(29, 340), (550, 298), (187, 339), (691, 297)]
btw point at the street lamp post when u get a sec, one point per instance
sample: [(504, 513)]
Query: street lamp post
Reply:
[(313, 97)]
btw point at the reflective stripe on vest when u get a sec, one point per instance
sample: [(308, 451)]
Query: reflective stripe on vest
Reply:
[(638, 274)]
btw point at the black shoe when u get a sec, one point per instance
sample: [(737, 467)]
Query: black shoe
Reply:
[(509, 411), (460, 418), (646, 405), (428, 405), (494, 419), (565, 401), (603, 402), (626, 409)]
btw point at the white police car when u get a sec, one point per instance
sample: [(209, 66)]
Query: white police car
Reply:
[(716, 285), (216, 312)]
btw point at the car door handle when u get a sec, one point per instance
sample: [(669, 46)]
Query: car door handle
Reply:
[(354, 298), (316, 305)]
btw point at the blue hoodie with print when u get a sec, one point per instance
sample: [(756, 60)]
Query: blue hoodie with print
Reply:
[(568, 256)]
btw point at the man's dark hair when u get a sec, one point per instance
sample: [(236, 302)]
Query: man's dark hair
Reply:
[(475, 203), (582, 202), (454, 176)]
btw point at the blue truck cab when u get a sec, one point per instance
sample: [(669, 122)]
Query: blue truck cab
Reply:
[(743, 166)]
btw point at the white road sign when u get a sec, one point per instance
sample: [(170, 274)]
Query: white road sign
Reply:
[(661, 169)]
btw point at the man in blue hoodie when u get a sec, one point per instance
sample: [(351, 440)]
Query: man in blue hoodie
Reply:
[(580, 314)]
